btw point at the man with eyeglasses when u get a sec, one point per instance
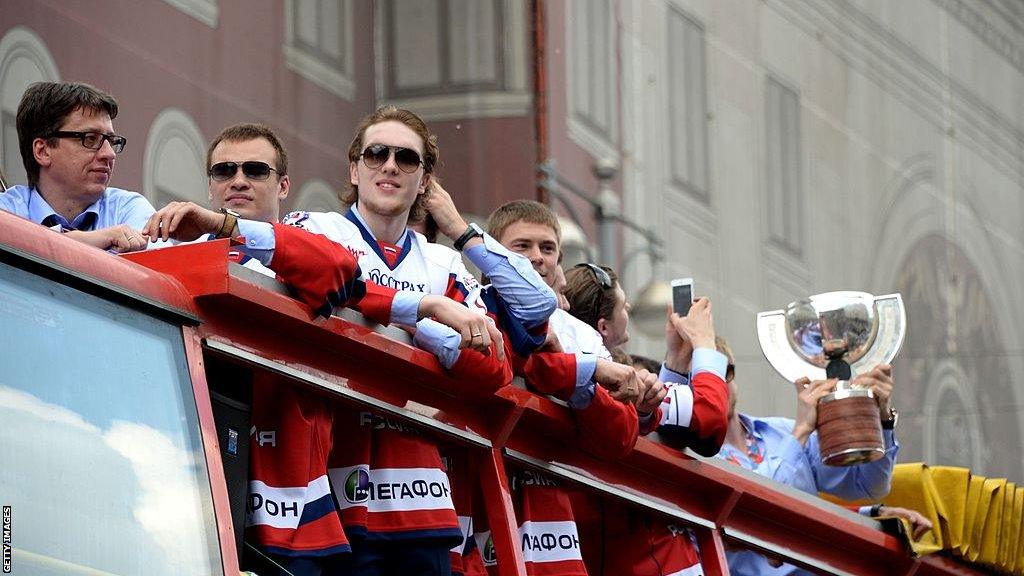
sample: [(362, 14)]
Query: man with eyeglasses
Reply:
[(68, 146)]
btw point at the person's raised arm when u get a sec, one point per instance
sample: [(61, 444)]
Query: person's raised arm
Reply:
[(523, 290), (696, 408)]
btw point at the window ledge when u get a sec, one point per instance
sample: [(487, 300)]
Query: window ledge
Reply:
[(206, 11), (469, 105), (326, 77)]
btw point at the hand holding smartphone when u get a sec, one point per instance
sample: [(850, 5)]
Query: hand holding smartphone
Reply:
[(682, 295)]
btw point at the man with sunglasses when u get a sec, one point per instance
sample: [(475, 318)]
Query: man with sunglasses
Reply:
[(68, 146), (247, 168), (248, 177), (391, 164)]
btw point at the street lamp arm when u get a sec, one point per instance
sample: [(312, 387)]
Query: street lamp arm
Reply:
[(606, 209), (551, 178), (651, 237)]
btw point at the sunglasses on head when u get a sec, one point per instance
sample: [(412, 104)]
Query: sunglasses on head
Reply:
[(602, 277), (600, 274), (252, 170), (407, 159)]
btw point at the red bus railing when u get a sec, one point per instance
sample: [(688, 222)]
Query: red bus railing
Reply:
[(230, 314)]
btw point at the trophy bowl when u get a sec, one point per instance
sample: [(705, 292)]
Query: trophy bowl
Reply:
[(837, 335), (828, 325)]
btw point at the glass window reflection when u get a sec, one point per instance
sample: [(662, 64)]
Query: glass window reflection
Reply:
[(101, 457)]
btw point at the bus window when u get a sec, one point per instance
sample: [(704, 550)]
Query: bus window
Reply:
[(101, 458)]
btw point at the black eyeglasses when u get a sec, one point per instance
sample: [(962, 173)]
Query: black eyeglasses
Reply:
[(376, 155), (93, 140), (600, 274), (252, 170)]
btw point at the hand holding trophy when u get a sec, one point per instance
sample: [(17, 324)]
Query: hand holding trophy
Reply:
[(838, 335)]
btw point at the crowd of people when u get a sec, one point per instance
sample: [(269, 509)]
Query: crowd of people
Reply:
[(383, 499)]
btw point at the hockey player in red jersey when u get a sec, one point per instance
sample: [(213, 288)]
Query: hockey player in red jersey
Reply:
[(697, 399), (693, 412), (389, 481), (579, 371), (292, 519), (530, 229)]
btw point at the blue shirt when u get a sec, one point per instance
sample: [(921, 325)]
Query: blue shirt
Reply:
[(114, 207), (779, 456)]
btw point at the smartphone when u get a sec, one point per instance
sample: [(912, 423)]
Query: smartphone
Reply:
[(682, 295)]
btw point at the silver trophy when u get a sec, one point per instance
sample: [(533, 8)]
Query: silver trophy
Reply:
[(837, 335)]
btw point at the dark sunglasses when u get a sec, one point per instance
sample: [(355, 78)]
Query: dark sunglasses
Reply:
[(93, 140), (252, 170), (376, 155)]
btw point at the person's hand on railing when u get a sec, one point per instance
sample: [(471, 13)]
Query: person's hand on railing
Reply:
[(622, 381), (919, 525), (652, 392), (121, 238), (477, 330), (185, 221)]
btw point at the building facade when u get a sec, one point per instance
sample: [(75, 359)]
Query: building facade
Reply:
[(778, 148)]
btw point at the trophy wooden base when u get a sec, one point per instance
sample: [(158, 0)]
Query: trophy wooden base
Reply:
[(849, 428)]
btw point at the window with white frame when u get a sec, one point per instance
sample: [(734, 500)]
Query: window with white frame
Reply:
[(454, 58), (174, 165), (319, 43), (592, 89), (783, 176), (687, 106), (24, 59)]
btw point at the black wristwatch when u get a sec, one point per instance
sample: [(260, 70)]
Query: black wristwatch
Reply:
[(471, 232), (889, 422), (230, 221)]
